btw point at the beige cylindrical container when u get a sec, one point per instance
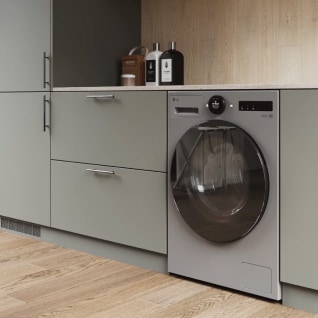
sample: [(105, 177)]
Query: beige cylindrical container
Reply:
[(128, 80)]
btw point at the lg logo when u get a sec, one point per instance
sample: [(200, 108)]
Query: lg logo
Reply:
[(267, 116)]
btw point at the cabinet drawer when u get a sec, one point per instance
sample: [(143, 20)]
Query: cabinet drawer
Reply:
[(127, 207), (128, 130)]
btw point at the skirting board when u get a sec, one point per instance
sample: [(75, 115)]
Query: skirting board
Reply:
[(126, 254), (300, 298)]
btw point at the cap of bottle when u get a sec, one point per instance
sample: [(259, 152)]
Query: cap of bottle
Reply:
[(156, 46), (172, 45)]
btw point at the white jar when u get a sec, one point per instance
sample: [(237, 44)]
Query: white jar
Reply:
[(128, 79)]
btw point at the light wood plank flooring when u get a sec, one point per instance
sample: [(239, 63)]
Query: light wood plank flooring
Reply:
[(39, 279)]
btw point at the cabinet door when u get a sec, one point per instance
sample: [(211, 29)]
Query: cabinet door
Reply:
[(299, 175), (24, 38), (24, 159), (128, 130), (125, 206)]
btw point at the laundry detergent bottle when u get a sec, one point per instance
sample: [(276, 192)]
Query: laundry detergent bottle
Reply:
[(152, 66), (172, 66)]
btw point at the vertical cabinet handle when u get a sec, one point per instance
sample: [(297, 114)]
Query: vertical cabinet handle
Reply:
[(45, 58), (46, 124)]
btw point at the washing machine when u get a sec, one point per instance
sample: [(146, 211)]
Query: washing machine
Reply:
[(223, 188)]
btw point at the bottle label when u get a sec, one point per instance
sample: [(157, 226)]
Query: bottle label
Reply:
[(150, 71), (166, 70)]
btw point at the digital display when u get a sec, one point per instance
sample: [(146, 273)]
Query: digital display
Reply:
[(258, 106)]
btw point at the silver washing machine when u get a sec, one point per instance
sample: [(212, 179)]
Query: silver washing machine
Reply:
[(223, 188)]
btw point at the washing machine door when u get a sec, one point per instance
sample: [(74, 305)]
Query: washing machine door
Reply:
[(219, 181)]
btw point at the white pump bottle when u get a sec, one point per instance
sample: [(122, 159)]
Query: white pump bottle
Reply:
[(152, 66)]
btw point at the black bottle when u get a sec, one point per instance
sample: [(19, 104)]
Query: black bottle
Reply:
[(171, 66)]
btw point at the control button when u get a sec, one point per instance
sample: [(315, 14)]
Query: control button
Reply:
[(216, 104)]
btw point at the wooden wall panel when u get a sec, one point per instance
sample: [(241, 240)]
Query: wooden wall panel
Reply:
[(238, 41)]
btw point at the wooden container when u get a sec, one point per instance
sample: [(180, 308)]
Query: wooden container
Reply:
[(134, 64)]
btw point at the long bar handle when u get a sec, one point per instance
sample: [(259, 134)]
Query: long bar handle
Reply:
[(101, 171), (45, 125), (110, 96), (45, 58)]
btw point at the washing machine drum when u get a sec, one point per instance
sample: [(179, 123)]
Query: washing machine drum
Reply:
[(219, 181)]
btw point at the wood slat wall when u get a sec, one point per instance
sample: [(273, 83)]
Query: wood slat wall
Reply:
[(238, 41)]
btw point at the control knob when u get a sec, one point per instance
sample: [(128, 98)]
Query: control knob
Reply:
[(216, 104)]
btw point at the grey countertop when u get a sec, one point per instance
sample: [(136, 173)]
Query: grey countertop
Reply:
[(187, 87)]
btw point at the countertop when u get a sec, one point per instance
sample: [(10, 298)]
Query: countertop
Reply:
[(187, 87)]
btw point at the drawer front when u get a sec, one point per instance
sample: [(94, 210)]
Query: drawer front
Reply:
[(127, 207), (128, 130)]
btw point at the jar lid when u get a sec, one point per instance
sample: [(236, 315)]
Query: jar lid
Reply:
[(128, 75)]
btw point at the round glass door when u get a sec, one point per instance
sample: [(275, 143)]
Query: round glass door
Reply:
[(219, 181)]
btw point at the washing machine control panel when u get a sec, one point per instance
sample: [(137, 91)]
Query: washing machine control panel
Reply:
[(216, 104), (261, 106)]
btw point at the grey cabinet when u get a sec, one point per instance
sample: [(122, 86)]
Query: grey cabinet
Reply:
[(25, 29), (109, 166), (124, 129), (25, 157), (88, 39), (299, 175), (120, 205), (25, 35)]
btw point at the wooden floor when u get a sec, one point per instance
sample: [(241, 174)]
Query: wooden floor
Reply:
[(38, 279)]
